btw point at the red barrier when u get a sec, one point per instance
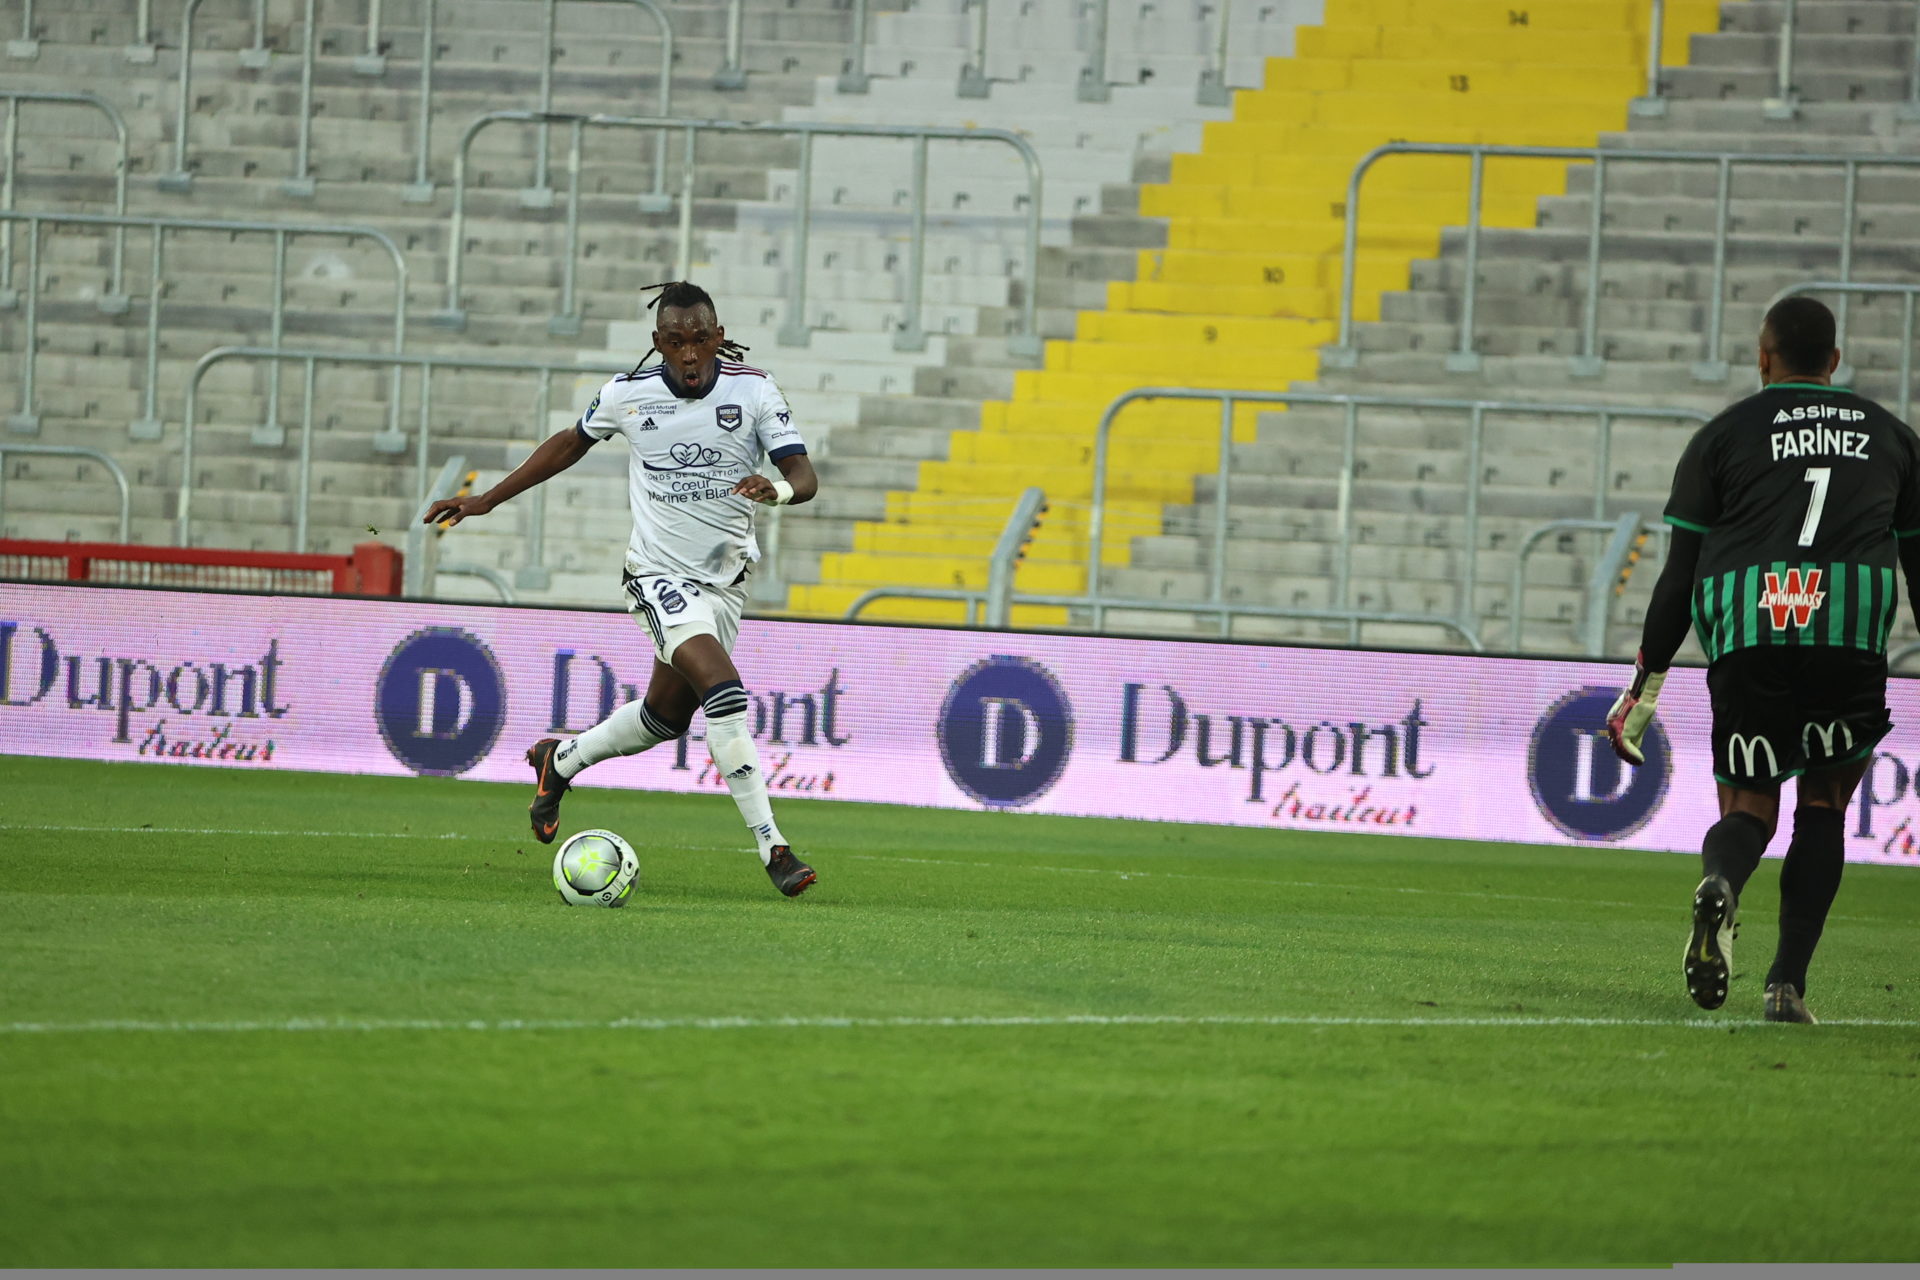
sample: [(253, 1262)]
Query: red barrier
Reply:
[(374, 568)]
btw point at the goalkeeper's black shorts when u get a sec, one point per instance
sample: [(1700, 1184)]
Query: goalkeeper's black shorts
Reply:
[(1780, 711)]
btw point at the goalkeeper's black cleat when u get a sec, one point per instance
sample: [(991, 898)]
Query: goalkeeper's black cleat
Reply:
[(1709, 961), (545, 809), (789, 875), (1785, 1005)]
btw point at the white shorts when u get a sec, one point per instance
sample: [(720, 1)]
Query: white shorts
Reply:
[(671, 610)]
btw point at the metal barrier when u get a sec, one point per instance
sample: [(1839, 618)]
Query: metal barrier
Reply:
[(423, 541), (73, 451), (1477, 411), (149, 426), (1591, 632), (1654, 102), (853, 72), (1785, 103), (795, 331), (1214, 90), (1907, 293), (300, 183), (114, 301), (1094, 86), (310, 359), (180, 180), (1009, 551), (975, 600), (732, 74), (27, 47), (1711, 367), (973, 72), (423, 563)]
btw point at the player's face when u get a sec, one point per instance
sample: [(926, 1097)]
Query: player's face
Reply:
[(689, 338)]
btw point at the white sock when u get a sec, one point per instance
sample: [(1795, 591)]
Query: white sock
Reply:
[(730, 743), (630, 730)]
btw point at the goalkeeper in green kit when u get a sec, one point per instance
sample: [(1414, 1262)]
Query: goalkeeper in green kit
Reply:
[(1790, 512)]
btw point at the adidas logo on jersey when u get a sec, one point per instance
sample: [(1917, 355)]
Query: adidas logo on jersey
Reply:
[(1792, 596), (648, 425)]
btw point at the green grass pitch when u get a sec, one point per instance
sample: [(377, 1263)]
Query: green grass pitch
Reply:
[(299, 1020)]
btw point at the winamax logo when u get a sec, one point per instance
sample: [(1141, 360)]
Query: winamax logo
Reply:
[(1580, 786), (1005, 731), (440, 701)]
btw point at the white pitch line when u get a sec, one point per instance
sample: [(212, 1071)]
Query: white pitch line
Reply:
[(830, 1023)]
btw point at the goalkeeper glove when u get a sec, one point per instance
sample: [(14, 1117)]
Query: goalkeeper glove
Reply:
[(1632, 712)]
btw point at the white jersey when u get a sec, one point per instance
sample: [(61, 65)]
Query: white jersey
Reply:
[(687, 454)]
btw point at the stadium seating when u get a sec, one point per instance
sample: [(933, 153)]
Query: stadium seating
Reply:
[(1654, 309), (244, 125), (1160, 222), (1239, 288), (874, 413)]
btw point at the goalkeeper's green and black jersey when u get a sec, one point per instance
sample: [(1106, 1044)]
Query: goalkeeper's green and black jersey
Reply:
[(1800, 492)]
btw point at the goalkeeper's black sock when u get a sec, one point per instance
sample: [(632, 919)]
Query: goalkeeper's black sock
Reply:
[(1808, 882), (1733, 847)]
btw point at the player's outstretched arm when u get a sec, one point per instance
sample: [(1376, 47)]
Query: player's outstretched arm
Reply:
[(797, 483), (556, 453), (1660, 639)]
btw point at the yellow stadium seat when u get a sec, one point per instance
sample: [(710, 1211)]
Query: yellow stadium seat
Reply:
[(1248, 287)]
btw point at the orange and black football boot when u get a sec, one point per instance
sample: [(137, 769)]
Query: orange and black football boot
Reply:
[(545, 809), (789, 875)]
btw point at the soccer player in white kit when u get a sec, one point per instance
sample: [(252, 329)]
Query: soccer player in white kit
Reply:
[(697, 425)]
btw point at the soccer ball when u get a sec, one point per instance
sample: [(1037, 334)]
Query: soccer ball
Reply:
[(595, 869)]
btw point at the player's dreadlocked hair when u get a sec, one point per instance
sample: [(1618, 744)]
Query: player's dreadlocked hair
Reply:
[(684, 293)]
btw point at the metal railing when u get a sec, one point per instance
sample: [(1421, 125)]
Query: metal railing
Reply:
[(301, 182), (1591, 631), (1009, 551), (423, 564), (422, 539), (310, 359), (149, 425), (27, 47), (973, 72), (993, 606), (114, 300), (1711, 367), (1465, 621), (976, 601), (1094, 86), (1785, 102), (72, 451), (732, 75), (1654, 102), (181, 179), (795, 331), (1908, 295), (853, 71), (1214, 91)]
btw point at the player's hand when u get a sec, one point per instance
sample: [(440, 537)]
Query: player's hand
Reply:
[(1632, 712), (757, 488), (451, 511)]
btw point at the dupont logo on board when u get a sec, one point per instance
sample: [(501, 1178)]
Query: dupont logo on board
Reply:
[(440, 701), (1005, 731), (1580, 785)]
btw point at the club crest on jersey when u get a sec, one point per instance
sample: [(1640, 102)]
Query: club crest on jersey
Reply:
[(1792, 597), (727, 416)]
